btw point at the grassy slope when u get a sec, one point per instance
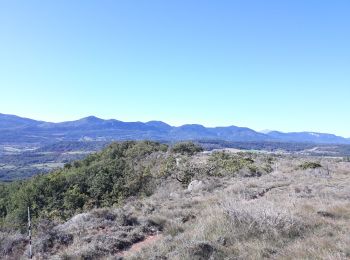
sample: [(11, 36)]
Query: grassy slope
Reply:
[(242, 211)]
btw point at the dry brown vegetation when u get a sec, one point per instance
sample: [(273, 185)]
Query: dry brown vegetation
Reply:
[(287, 212)]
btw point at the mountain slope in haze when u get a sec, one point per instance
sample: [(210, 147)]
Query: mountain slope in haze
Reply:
[(11, 122), (16, 130), (303, 137)]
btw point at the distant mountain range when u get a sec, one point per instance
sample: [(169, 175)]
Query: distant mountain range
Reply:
[(19, 130)]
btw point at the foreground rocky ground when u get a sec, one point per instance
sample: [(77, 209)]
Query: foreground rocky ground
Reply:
[(297, 210)]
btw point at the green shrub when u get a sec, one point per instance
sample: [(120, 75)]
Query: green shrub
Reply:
[(186, 148), (224, 163), (309, 165)]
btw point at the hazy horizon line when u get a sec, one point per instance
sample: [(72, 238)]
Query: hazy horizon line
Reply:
[(173, 124)]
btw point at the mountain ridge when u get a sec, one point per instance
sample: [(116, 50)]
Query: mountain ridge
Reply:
[(15, 129)]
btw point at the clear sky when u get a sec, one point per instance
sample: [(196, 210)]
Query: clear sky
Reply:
[(263, 64)]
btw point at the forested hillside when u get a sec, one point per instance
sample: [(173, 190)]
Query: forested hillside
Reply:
[(102, 179)]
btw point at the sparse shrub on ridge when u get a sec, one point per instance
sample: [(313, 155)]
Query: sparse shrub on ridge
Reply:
[(186, 148), (228, 164), (309, 165)]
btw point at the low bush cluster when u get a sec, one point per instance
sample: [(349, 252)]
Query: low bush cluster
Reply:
[(228, 164), (309, 165), (186, 148)]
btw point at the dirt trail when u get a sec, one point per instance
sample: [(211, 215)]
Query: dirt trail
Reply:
[(138, 246)]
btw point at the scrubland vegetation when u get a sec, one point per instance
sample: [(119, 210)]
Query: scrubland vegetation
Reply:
[(22, 161), (145, 200)]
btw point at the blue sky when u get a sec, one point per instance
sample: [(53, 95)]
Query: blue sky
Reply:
[(263, 64)]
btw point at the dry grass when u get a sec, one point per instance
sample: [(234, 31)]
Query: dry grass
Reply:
[(12, 246), (290, 213)]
